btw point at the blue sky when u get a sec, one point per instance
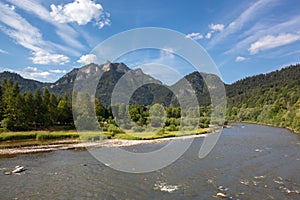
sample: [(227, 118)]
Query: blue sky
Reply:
[(43, 40)]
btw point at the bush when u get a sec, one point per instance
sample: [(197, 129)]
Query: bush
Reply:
[(7, 124), (114, 129), (172, 127), (202, 125), (138, 129)]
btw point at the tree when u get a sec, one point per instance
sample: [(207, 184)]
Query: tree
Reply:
[(64, 111), (28, 109), (39, 110), (12, 103), (52, 109)]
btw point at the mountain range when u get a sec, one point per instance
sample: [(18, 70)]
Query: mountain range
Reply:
[(154, 91)]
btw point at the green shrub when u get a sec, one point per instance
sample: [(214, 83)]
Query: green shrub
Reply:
[(172, 127), (138, 129), (114, 129)]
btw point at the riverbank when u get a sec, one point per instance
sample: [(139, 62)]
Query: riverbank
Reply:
[(80, 144)]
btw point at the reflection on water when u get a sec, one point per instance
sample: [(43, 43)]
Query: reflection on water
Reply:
[(249, 162)]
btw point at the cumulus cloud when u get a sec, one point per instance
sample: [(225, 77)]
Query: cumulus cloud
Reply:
[(271, 41), (194, 36), (208, 35), (33, 72), (81, 12), (87, 59), (216, 27), (240, 59), (44, 58)]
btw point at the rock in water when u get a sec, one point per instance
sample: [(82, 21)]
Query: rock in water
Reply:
[(221, 195), (18, 169), (7, 173)]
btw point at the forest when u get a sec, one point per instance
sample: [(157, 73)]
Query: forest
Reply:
[(43, 110), (272, 99)]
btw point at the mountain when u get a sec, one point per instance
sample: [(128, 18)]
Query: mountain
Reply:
[(278, 78), (24, 84), (256, 89), (109, 74), (198, 86), (244, 91)]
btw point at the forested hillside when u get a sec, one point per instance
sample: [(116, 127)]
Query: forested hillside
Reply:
[(272, 98), (25, 85)]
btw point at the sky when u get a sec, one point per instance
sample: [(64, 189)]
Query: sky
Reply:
[(43, 40)]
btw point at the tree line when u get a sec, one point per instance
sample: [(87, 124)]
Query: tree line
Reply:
[(43, 109), (25, 111), (278, 106)]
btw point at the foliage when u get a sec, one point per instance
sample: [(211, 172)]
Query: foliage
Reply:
[(272, 98)]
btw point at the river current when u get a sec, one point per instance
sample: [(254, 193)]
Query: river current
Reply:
[(249, 162)]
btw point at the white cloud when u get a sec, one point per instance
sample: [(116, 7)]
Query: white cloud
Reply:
[(64, 31), (81, 12), (34, 73), (37, 74), (216, 27), (167, 53), (30, 69), (240, 59), (208, 35), (87, 59), (20, 29), (194, 36), (58, 71), (30, 37), (270, 41), (251, 13), (44, 58), (3, 51), (259, 30)]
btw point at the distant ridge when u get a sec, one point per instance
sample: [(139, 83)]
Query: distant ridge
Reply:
[(240, 90), (24, 84)]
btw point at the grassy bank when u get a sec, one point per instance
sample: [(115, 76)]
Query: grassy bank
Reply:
[(62, 135), (38, 135)]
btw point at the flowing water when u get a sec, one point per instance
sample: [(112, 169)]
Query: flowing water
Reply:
[(248, 162)]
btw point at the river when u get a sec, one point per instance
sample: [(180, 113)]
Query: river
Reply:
[(249, 162)]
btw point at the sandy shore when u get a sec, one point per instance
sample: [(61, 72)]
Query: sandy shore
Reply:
[(77, 144)]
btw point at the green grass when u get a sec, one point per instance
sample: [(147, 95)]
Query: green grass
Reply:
[(94, 135), (17, 136), (152, 135), (38, 135), (57, 135), (60, 135)]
